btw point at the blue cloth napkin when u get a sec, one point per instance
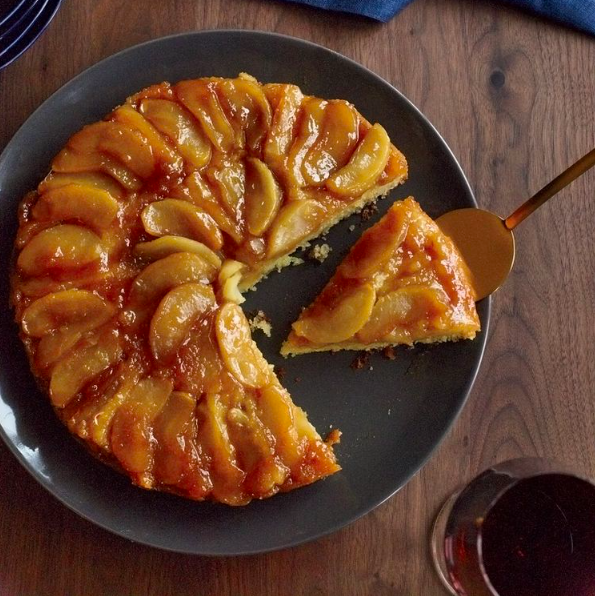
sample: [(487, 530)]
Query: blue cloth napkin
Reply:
[(577, 13)]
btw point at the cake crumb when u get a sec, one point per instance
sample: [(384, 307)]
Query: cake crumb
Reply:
[(360, 361), (260, 321), (369, 211), (280, 372), (333, 437), (319, 252), (288, 262), (352, 227), (379, 279), (389, 353)]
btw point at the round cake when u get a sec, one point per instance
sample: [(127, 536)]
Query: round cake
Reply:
[(131, 257)]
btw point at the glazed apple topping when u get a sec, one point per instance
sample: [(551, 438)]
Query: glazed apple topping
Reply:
[(180, 218), (94, 207), (168, 245), (62, 249), (263, 196), (170, 119), (175, 316), (365, 166)]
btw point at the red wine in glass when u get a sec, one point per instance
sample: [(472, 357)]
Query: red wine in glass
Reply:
[(522, 528)]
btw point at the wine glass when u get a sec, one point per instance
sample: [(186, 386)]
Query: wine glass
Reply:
[(524, 527)]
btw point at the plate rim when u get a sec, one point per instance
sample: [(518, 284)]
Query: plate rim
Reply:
[(36, 474)]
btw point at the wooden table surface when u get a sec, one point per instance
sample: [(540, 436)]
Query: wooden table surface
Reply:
[(514, 96)]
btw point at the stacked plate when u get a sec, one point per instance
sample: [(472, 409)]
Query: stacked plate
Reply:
[(21, 23)]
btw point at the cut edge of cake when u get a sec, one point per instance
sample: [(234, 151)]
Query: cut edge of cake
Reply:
[(355, 347)]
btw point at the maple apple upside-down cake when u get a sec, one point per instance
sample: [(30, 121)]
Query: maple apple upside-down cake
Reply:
[(131, 258)]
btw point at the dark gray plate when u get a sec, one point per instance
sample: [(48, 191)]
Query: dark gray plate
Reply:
[(392, 417)]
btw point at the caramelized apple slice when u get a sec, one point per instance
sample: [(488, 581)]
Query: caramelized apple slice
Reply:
[(119, 141), (55, 346), (252, 252), (230, 181), (198, 367), (376, 246), (365, 166), (173, 121), (313, 110), (167, 245), (181, 218), (228, 279), (175, 316), (277, 413), (230, 268), (161, 276), (100, 419), (78, 310), (94, 207), (61, 248), (75, 371), (30, 228), (255, 450), (94, 180), (341, 322), (72, 162), (334, 145), (177, 459), (402, 308), (263, 196), (161, 90), (128, 116), (202, 197), (249, 109), (294, 223), (200, 97), (214, 437), (280, 135), (274, 92), (170, 427), (132, 439), (36, 287), (240, 354)]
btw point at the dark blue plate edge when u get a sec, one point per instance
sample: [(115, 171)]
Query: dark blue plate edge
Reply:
[(19, 7), (26, 28), (482, 338), (35, 37)]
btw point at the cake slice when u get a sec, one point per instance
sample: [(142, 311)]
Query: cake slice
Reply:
[(402, 282)]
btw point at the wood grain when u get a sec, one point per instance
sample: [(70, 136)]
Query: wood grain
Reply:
[(514, 97)]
